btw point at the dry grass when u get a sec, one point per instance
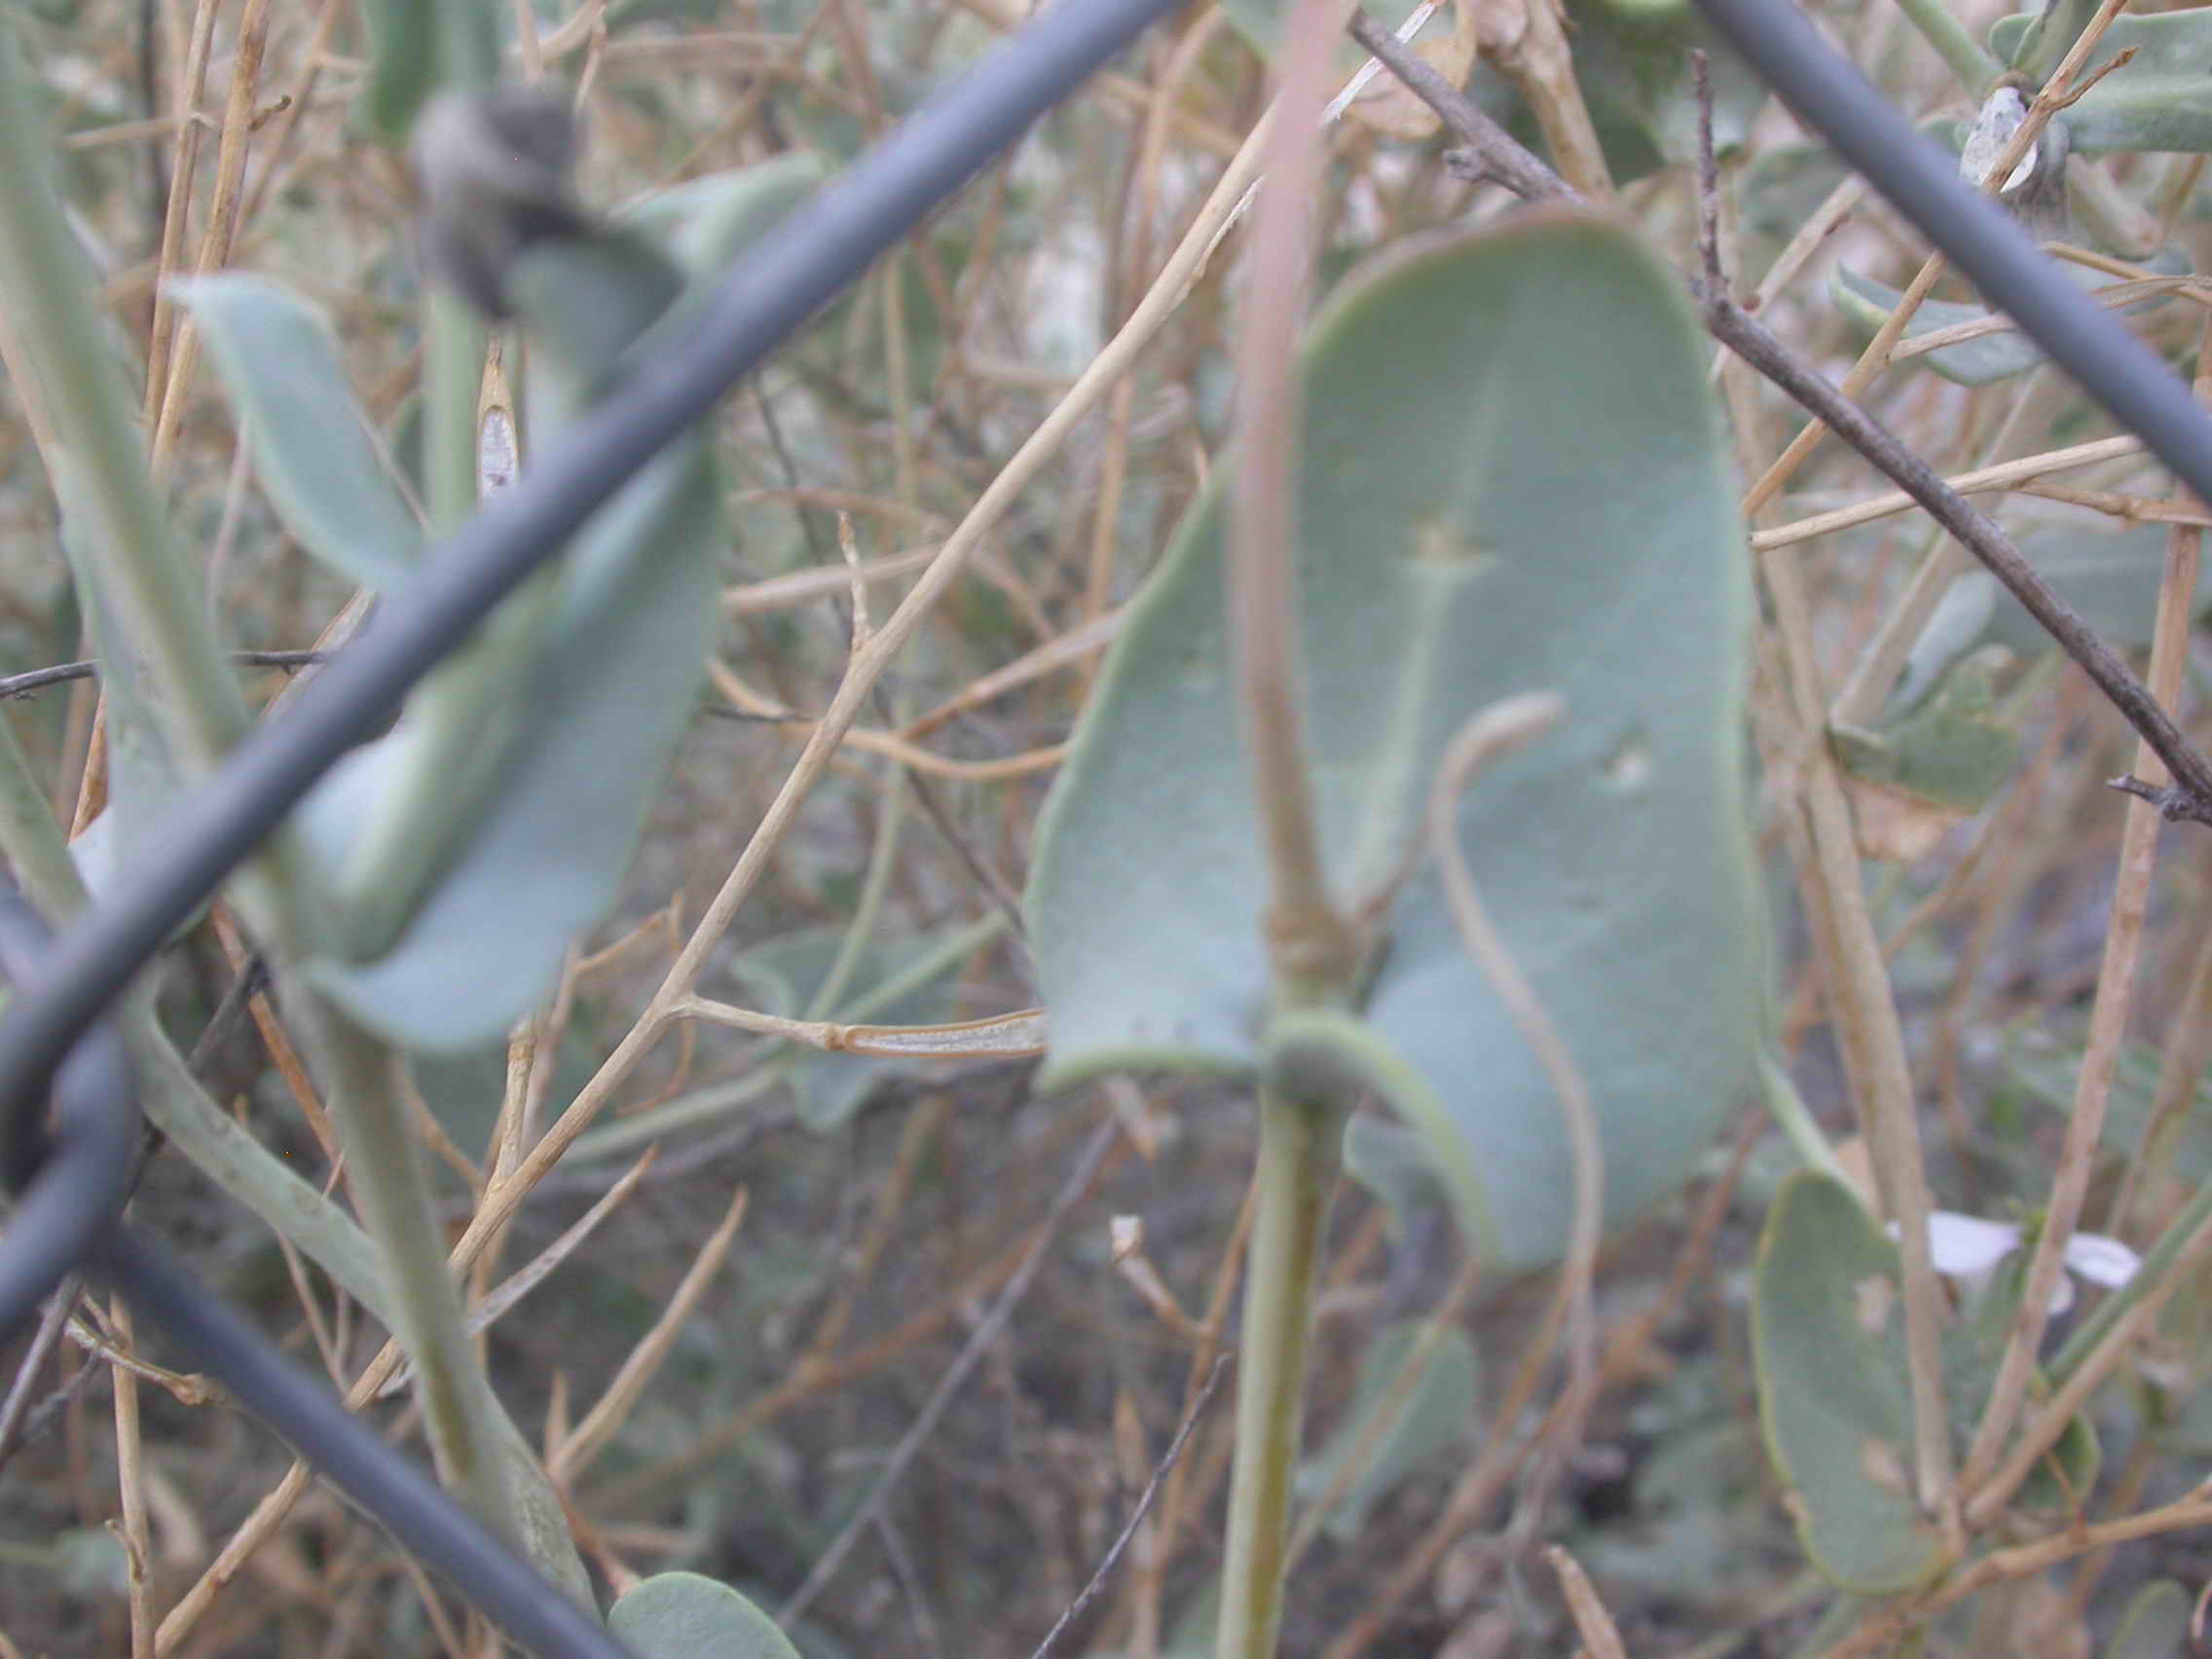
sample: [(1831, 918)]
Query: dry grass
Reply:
[(868, 1255)]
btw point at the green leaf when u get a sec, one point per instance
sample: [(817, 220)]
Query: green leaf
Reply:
[(603, 705), (1320, 1053), (1436, 1412), (418, 48), (2109, 577), (318, 459), (1828, 1317), (1992, 357), (681, 1615), (2160, 99), (1514, 471), (894, 982), (1953, 749), (2155, 1625), (2034, 41), (1834, 1398), (1396, 1165)]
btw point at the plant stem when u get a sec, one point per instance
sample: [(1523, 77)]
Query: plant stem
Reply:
[(384, 1169), (1313, 950), (1968, 59), (1299, 1149), (45, 291), (2190, 797)]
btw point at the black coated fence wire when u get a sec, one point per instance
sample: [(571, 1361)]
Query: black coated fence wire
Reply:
[(68, 1121), (793, 271), (70, 1169), (1922, 182), (68, 1162), (66, 1215)]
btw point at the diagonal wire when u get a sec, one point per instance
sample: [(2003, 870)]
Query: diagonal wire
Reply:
[(801, 265)]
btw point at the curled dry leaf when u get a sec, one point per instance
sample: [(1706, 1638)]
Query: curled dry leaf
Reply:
[(1387, 105)]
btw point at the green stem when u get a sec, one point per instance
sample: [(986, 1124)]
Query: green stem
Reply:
[(1299, 1145), (390, 1190), (1969, 60)]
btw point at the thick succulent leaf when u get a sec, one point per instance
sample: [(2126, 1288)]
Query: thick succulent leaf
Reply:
[(2160, 99), (1992, 357), (2034, 41), (2109, 577), (607, 698), (2155, 1625), (1514, 483), (1953, 749), (681, 1615), (907, 980), (1436, 1412), (1827, 1335), (318, 459), (418, 48), (1827, 1320)]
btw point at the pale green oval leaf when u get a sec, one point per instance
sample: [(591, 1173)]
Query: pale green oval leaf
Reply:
[(681, 1615), (605, 700), (1834, 1399), (2110, 578), (1989, 358), (1953, 749), (314, 454), (2160, 99), (1514, 483)]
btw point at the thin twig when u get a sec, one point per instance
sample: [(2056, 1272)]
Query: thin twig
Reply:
[(62, 673), (1159, 1471), (1311, 946), (2108, 1016), (986, 1331), (1489, 736), (1872, 1037), (13, 1412)]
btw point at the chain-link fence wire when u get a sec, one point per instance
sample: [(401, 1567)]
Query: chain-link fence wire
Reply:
[(68, 1123)]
